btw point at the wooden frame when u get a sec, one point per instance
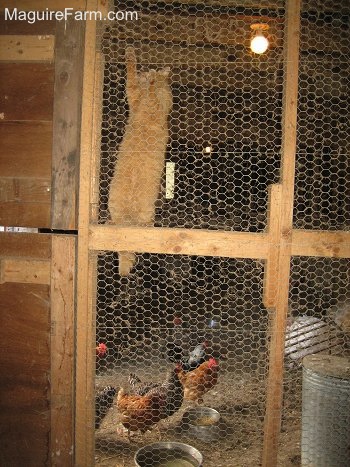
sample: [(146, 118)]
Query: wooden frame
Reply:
[(62, 349), (276, 246)]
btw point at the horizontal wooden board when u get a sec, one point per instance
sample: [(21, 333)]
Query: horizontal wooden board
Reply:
[(23, 27), (25, 149), (17, 48), (24, 271), (25, 245), (191, 29), (25, 190), (179, 241), (16, 214), (59, 5), (26, 91), (321, 243), (24, 376)]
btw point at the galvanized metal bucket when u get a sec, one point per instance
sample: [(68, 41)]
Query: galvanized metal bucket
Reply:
[(325, 411)]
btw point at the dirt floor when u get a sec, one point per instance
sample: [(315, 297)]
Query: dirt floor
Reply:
[(239, 400)]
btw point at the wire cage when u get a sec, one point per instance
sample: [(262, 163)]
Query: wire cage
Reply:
[(192, 138)]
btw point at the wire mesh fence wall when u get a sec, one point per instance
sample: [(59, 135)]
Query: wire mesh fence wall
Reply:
[(197, 147)]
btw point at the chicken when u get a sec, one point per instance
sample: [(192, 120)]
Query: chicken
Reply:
[(171, 391), (199, 381), (103, 402), (196, 357), (139, 387), (139, 413), (101, 350), (192, 360)]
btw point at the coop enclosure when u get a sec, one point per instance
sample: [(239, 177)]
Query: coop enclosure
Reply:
[(224, 184)]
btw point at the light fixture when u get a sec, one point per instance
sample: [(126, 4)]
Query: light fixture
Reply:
[(259, 43)]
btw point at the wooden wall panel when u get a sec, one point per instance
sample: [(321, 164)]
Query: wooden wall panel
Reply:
[(31, 190), (26, 91), (24, 375), (25, 149), (19, 48), (25, 245), (25, 214), (23, 27), (25, 361)]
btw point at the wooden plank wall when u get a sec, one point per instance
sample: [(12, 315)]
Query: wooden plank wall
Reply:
[(40, 66), (25, 359), (26, 113)]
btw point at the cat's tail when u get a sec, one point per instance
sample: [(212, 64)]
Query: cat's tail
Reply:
[(126, 262)]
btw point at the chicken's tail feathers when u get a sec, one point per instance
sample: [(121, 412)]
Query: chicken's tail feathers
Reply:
[(126, 262), (133, 380)]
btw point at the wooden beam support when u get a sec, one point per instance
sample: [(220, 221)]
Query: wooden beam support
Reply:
[(271, 265), (66, 123), (85, 322), (26, 48), (179, 241), (326, 244), (274, 384), (62, 349)]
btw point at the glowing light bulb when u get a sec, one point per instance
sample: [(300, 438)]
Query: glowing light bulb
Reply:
[(259, 44)]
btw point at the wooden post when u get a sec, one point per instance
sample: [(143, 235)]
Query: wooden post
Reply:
[(84, 427), (276, 357), (62, 349), (66, 123), (274, 225)]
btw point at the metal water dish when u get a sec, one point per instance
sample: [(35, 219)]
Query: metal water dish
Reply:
[(168, 454), (203, 423)]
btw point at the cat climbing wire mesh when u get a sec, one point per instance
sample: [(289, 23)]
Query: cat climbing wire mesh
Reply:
[(181, 86)]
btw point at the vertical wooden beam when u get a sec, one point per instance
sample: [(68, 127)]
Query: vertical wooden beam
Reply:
[(276, 358), (66, 123), (62, 349), (271, 265), (97, 125), (84, 427)]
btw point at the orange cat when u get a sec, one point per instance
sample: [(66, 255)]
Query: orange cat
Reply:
[(136, 182)]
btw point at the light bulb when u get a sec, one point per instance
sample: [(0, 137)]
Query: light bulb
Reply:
[(259, 44)]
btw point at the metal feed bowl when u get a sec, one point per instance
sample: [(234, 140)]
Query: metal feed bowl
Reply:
[(202, 423), (167, 454)]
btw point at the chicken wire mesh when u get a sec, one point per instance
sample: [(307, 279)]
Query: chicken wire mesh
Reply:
[(219, 141), (322, 184)]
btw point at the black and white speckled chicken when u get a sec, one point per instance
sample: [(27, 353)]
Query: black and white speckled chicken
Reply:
[(171, 391), (139, 387), (103, 402)]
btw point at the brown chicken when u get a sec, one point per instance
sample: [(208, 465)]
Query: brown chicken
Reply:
[(199, 381), (170, 391), (139, 412)]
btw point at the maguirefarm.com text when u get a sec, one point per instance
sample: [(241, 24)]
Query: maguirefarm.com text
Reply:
[(32, 17)]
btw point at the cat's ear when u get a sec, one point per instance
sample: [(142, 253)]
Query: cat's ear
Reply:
[(165, 71)]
